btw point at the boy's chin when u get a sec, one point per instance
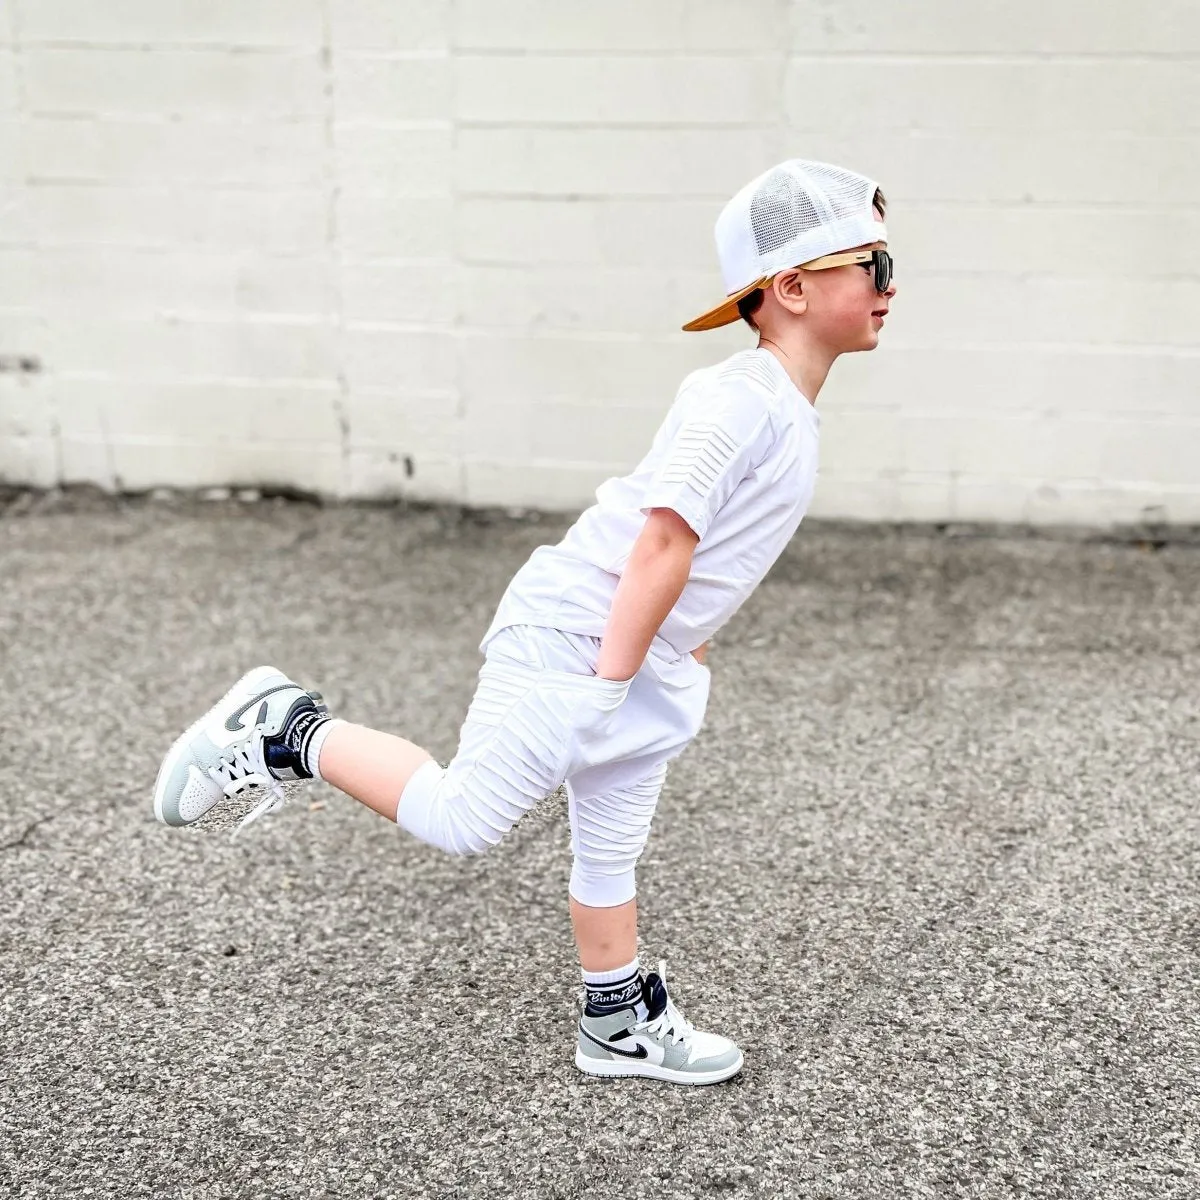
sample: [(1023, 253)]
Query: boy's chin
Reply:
[(869, 341)]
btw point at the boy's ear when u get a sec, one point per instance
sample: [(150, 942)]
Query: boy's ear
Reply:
[(790, 292)]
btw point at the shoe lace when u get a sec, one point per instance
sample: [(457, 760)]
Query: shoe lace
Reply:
[(670, 1023), (245, 767)]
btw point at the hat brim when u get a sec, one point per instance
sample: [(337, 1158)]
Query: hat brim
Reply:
[(724, 313)]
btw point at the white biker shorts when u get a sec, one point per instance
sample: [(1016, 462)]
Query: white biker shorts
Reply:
[(542, 717)]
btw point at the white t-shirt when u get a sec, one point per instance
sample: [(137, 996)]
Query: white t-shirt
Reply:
[(736, 458)]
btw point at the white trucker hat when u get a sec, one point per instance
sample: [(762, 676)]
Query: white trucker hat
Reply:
[(790, 215)]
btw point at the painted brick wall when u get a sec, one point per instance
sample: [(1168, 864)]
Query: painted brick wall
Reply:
[(442, 248)]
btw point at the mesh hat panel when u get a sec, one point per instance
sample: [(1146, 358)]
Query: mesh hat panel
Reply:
[(778, 209)]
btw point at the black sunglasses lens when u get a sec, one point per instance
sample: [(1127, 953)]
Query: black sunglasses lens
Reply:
[(883, 269)]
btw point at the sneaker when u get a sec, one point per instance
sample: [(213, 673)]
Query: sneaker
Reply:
[(223, 753), (663, 1046)]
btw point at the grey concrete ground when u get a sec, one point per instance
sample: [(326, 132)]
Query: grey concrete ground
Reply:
[(933, 862)]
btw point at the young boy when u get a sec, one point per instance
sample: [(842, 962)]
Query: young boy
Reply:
[(594, 669)]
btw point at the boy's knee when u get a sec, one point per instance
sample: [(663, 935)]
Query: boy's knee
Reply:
[(463, 841), (602, 875), (460, 832), (610, 834), (442, 816), (600, 888)]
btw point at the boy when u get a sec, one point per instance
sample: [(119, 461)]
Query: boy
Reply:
[(594, 673)]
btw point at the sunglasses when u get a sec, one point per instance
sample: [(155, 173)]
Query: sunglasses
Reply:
[(881, 263)]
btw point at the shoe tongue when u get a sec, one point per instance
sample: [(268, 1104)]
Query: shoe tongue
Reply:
[(654, 995)]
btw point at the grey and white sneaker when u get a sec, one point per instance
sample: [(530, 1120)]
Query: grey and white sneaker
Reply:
[(224, 752), (662, 1046)]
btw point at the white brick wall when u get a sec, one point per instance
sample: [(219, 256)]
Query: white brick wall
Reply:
[(443, 249)]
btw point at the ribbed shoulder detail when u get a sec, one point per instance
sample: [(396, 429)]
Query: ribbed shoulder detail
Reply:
[(757, 378), (748, 369)]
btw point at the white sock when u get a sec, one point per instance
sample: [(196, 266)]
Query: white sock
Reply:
[(599, 978), (312, 752)]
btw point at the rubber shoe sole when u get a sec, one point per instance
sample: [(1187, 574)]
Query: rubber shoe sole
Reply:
[(633, 1067)]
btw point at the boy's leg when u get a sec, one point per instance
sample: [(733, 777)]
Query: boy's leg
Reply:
[(370, 766), (608, 834), (512, 753), (509, 758), (606, 937), (268, 729), (629, 1025)]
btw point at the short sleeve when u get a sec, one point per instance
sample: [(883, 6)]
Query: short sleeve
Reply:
[(717, 444)]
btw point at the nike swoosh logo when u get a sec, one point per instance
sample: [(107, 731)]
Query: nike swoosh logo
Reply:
[(640, 1052), (235, 723)]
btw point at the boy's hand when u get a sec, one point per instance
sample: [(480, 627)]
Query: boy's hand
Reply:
[(701, 653)]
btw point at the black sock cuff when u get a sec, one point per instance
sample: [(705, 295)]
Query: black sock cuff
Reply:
[(299, 727), (608, 997)]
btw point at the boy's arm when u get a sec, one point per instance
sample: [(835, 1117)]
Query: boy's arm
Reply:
[(651, 584)]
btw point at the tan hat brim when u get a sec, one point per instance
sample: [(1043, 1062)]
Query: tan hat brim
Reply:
[(724, 313)]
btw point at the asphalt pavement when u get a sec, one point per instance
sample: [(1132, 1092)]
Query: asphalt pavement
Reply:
[(933, 862)]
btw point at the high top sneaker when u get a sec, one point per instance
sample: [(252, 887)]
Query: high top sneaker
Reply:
[(226, 750), (662, 1046)]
